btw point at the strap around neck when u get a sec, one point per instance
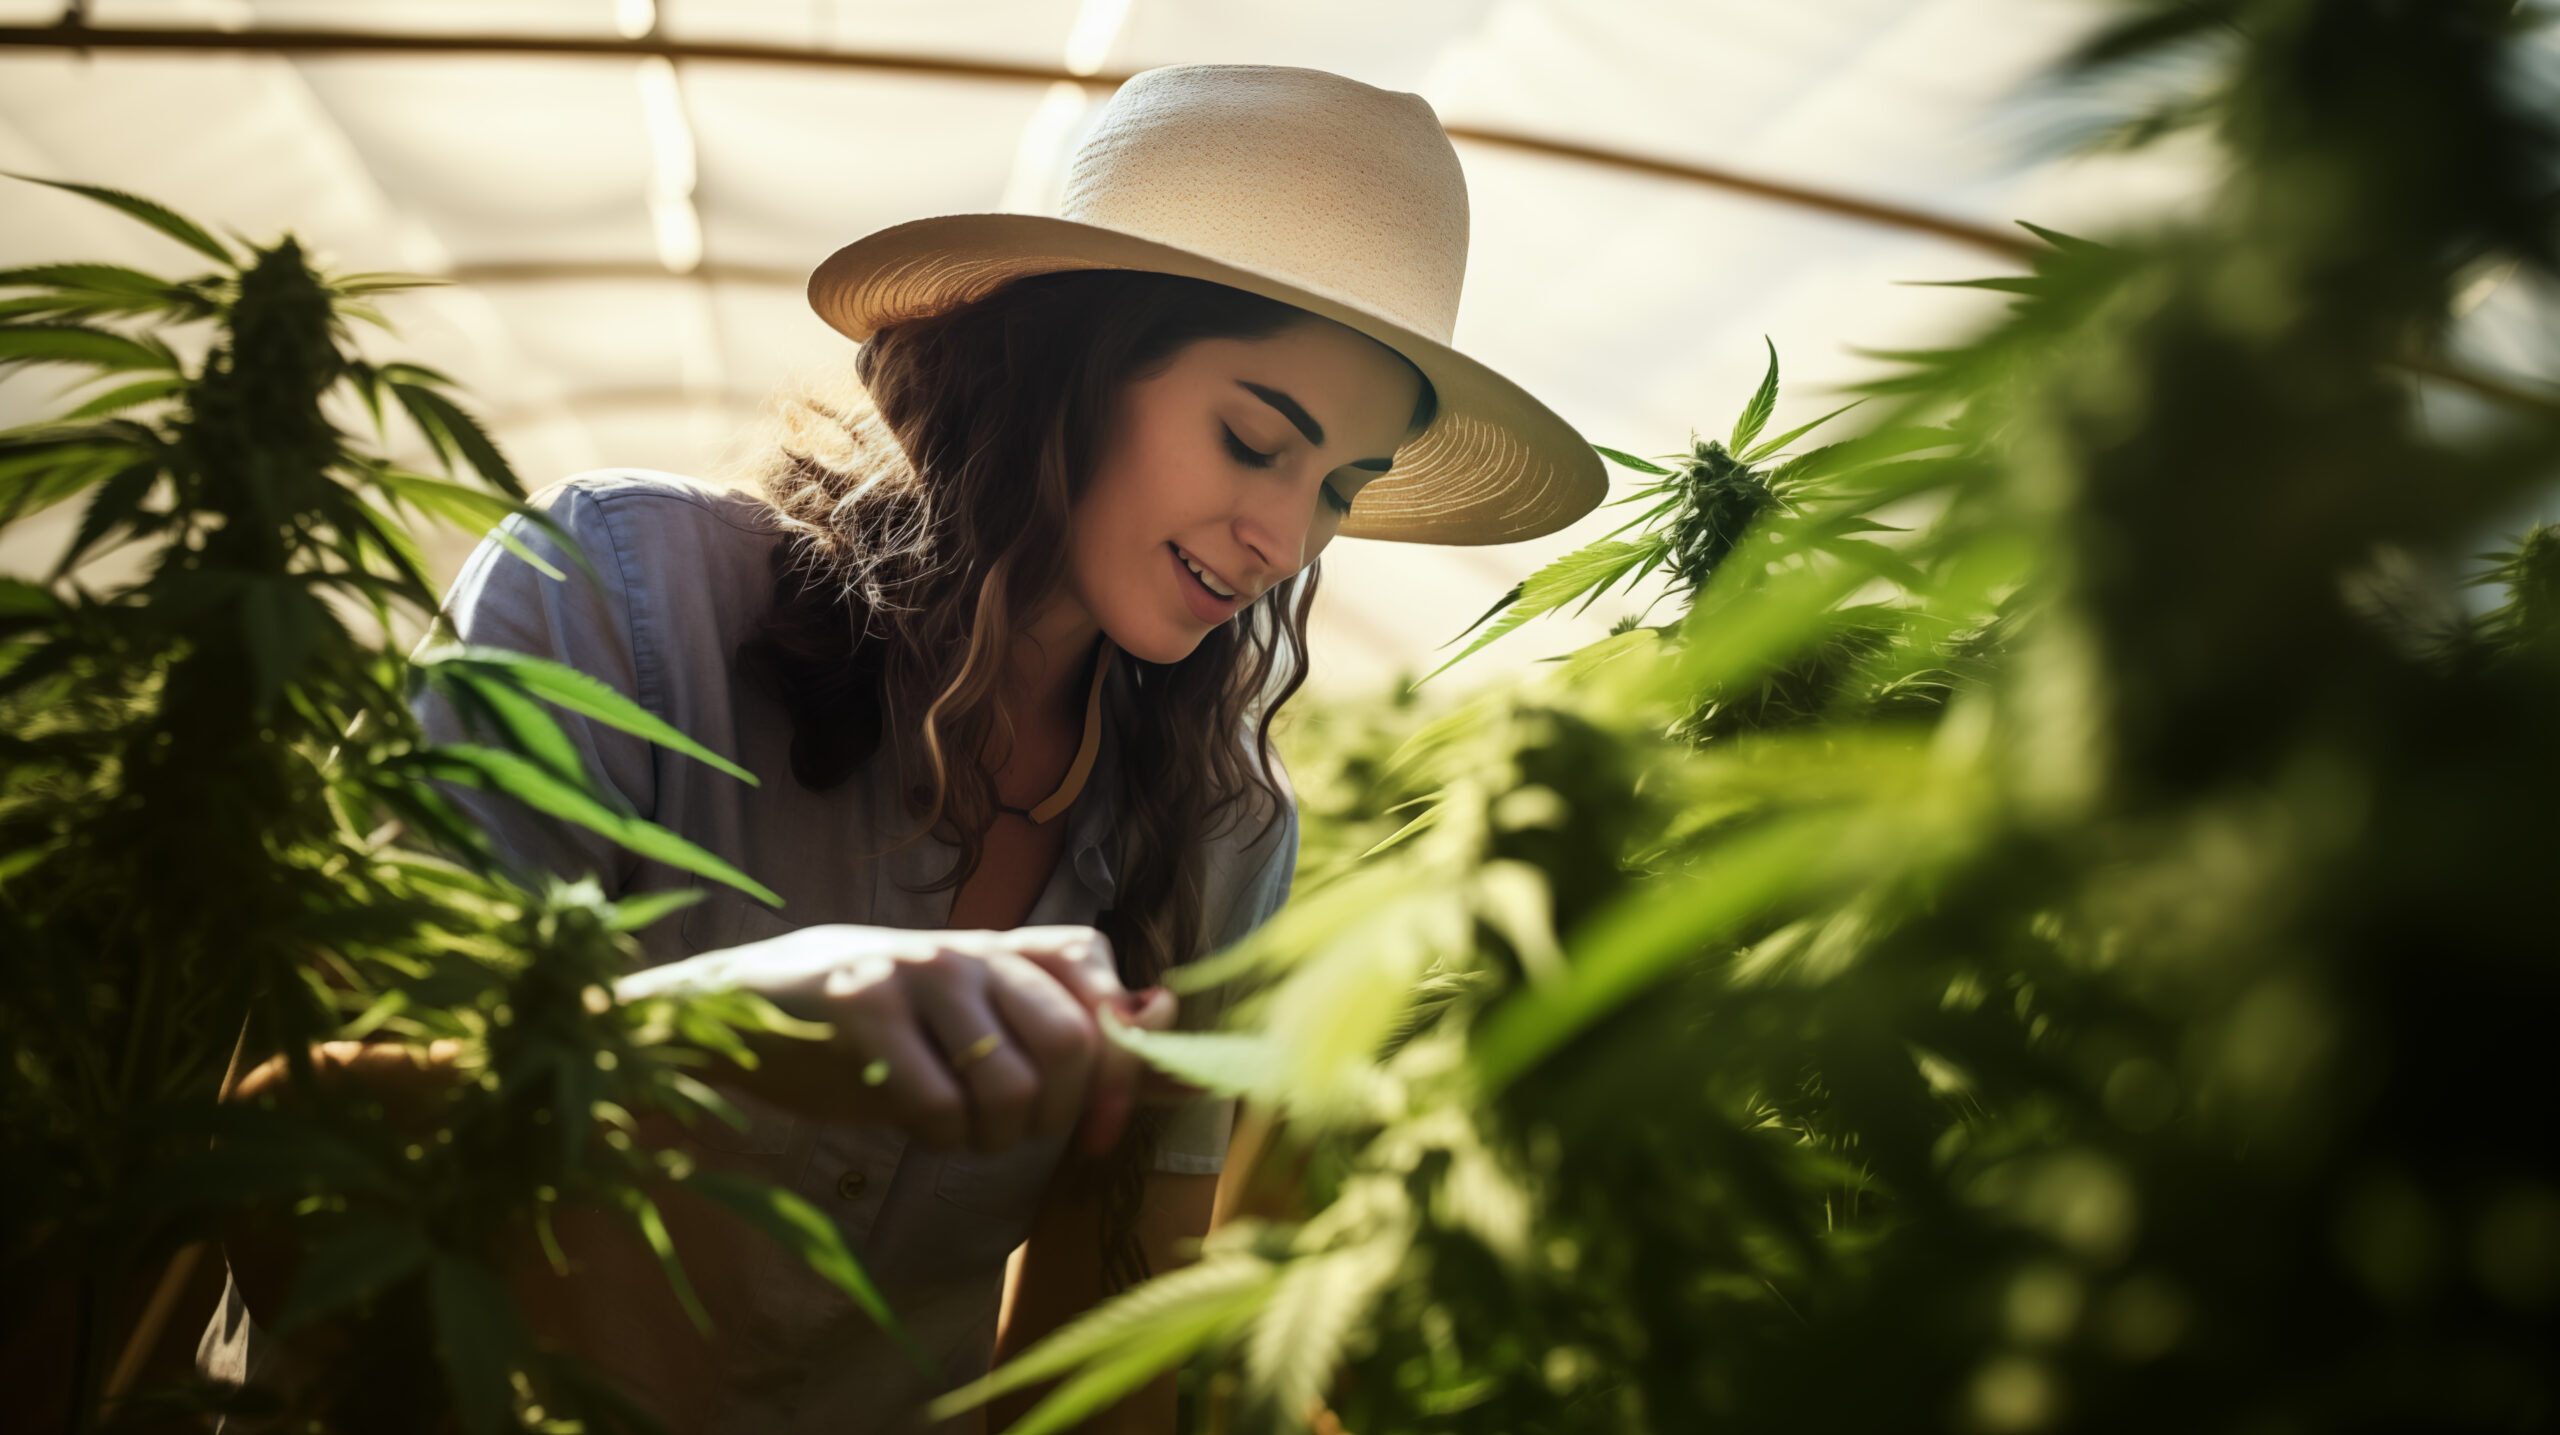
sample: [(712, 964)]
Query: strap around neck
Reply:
[(1082, 768)]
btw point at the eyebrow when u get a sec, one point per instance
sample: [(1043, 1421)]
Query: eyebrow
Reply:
[(1305, 422)]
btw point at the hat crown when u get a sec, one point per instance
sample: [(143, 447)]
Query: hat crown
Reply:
[(1341, 188)]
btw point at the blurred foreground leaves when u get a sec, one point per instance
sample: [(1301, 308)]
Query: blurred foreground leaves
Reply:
[(221, 836), (2031, 943)]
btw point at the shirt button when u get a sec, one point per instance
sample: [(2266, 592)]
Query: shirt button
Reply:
[(850, 1184)]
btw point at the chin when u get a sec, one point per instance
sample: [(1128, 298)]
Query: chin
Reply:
[(1158, 643)]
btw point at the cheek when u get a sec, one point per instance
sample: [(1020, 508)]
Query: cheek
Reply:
[(1117, 524), (1110, 519), (1145, 492)]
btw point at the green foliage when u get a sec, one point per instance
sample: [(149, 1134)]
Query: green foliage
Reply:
[(1692, 518), (2528, 623), (224, 837), (2023, 947)]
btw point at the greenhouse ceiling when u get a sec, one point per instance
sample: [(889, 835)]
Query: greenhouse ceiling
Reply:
[(628, 197)]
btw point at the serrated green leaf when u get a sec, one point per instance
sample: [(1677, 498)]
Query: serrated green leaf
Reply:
[(804, 1230), (1107, 1381), (1584, 573), (454, 434), (653, 1229), (474, 511), (1159, 1322), (529, 783), (82, 344), (132, 395), (1626, 948), (1421, 822), (1779, 444), (1874, 557), (94, 278), (2062, 241), (386, 282), (630, 914), (362, 377), (1863, 451), (1755, 414), (1641, 519), (1318, 1302), (580, 693), (1506, 600), (116, 503), (99, 290), (1229, 1063), (159, 216), (35, 479), (1628, 460), (2007, 284), (20, 598), (396, 545), (527, 726), (407, 371)]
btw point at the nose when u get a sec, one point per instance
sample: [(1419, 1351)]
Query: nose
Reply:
[(1276, 523)]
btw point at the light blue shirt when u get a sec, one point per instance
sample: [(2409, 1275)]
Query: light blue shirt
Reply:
[(684, 570)]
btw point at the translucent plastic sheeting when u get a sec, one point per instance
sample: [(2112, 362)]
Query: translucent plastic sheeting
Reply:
[(564, 194)]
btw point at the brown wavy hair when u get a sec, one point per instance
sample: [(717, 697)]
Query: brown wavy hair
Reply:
[(928, 511)]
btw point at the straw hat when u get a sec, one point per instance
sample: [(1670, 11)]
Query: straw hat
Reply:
[(1300, 185)]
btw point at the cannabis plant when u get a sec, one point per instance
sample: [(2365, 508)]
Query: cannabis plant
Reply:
[(2066, 965), (222, 836)]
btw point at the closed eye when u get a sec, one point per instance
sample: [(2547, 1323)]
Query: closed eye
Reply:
[(1246, 453), (1252, 457)]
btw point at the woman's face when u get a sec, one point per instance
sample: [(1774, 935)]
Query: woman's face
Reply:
[(1227, 472)]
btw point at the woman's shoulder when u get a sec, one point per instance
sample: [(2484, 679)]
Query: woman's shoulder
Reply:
[(620, 569), (667, 540), (647, 506), (1253, 853)]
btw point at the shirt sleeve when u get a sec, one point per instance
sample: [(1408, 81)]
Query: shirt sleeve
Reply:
[(1193, 1139), (499, 600)]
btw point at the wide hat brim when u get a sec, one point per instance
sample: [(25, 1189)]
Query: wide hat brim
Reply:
[(1493, 466)]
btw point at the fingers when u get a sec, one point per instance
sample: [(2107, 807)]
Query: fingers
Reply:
[(952, 997), (1118, 1072), (1056, 1034), (991, 1038), (1079, 957), (876, 1022), (1155, 1010)]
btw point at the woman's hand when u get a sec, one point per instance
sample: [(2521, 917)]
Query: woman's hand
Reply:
[(260, 1244), (978, 1039), (405, 1079)]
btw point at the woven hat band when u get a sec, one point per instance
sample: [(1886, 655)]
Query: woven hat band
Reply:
[(1346, 191)]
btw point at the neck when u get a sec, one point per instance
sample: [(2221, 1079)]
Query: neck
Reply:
[(1050, 659)]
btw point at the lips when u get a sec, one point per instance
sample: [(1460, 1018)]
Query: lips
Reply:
[(1203, 601)]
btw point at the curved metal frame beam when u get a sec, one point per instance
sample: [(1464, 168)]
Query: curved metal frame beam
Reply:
[(348, 42)]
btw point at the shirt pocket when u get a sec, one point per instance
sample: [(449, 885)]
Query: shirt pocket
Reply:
[(769, 1130), (1001, 1187)]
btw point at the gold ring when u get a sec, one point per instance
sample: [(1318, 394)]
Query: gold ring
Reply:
[(975, 1052)]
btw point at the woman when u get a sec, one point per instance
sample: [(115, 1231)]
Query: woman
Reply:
[(1004, 631)]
